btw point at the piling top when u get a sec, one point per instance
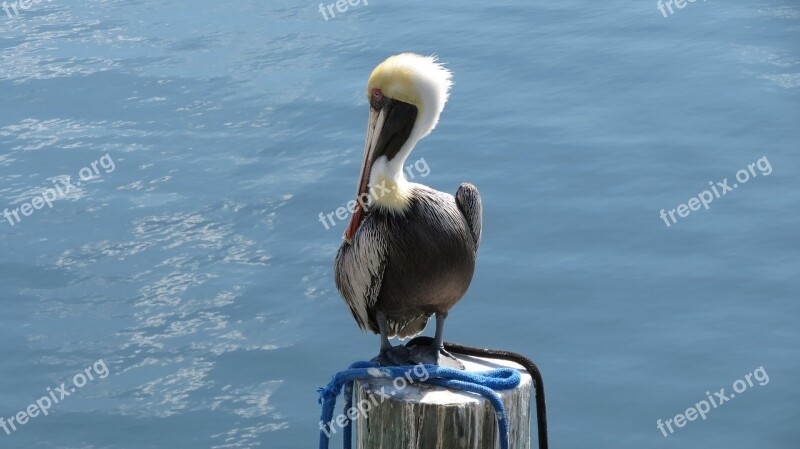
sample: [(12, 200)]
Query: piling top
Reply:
[(402, 391), (399, 414)]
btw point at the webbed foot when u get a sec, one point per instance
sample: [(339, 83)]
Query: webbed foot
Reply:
[(394, 356), (430, 355)]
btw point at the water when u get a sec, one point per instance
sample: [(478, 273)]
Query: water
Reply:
[(198, 273)]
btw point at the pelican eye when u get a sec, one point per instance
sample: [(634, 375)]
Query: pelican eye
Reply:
[(376, 99)]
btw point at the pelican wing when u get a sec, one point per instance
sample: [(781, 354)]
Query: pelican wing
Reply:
[(359, 271), (469, 203)]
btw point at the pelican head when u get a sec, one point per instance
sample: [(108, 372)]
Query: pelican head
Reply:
[(406, 94)]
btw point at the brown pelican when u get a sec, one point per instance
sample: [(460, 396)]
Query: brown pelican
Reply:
[(409, 251)]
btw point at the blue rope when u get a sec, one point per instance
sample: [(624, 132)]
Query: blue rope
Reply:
[(483, 383)]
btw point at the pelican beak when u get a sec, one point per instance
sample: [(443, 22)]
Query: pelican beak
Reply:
[(374, 126), (390, 123)]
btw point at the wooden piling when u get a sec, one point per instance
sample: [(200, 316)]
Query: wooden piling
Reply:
[(423, 416)]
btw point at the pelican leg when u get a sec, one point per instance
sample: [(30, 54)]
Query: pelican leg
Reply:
[(436, 354), (390, 355)]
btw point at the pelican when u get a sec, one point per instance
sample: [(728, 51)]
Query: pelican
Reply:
[(409, 251)]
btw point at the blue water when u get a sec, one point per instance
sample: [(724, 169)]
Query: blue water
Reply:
[(197, 271)]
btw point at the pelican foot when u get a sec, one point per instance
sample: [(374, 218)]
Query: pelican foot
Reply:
[(429, 355), (394, 356)]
